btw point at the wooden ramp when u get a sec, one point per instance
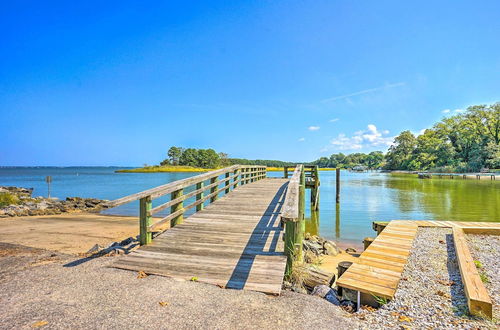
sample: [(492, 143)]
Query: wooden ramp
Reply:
[(235, 242), (379, 268)]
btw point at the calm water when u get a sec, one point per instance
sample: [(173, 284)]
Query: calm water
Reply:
[(365, 197)]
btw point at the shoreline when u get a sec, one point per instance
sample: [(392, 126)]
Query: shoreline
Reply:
[(189, 169)]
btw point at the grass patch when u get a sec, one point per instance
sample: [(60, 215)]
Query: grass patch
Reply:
[(7, 199), (478, 264), (380, 300), (160, 169), (484, 278)]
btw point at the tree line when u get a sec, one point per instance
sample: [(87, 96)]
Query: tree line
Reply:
[(465, 142), (209, 158)]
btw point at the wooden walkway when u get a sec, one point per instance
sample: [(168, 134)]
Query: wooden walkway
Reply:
[(379, 268), (235, 242)]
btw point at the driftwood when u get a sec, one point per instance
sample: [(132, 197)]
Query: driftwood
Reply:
[(318, 277)]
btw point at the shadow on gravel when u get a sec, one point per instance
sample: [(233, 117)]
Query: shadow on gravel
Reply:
[(458, 300), (108, 252)]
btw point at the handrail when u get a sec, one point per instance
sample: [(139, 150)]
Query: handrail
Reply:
[(170, 187), (291, 203), (234, 176), (292, 216)]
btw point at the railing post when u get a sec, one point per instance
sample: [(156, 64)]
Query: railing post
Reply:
[(291, 248), (235, 180), (302, 203), (176, 207), (285, 172), (145, 206), (213, 189), (199, 195), (227, 183)]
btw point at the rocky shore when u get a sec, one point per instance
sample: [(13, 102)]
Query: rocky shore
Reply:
[(17, 201)]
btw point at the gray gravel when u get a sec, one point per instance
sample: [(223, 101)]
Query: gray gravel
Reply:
[(486, 249), (92, 295), (430, 294)]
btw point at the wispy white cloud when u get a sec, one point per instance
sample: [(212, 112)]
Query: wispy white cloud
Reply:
[(313, 128), (302, 139), (370, 137), (365, 91), (333, 120), (456, 111)]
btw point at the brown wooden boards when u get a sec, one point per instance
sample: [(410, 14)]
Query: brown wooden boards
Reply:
[(235, 242), (378, 270), (478, 300)]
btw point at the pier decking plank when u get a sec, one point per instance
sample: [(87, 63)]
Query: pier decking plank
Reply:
[(235, 242), (379, 268)]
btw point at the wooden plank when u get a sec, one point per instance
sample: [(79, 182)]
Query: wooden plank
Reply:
[(235, 242), (478, 300)]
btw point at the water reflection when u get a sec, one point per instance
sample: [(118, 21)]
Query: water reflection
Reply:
[(367, 197)]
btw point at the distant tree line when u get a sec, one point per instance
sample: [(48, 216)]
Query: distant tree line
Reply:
[(373, 160), (209, 158), (465, 142)]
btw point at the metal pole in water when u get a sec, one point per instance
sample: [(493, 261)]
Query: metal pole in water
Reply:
[(48, 179), (337, 191)]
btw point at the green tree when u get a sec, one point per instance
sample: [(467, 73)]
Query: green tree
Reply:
[(174, 153), (400, 153), (189, 157)]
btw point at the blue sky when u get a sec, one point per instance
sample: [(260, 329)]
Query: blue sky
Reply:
[(118, 82)]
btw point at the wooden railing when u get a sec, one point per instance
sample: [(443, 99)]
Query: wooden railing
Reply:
[(233, 176), (292, 215)]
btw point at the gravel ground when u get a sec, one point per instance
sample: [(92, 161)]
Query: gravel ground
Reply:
[(39, 288), (430, 294), (486, 249)]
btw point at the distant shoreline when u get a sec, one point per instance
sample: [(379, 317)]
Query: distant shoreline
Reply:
[(189, 169)]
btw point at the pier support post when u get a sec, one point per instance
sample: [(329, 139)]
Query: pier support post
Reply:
[(227, 183), (337, 185), (199, 195), (235, 180), (176, 207), (213, 189), (145, 206)]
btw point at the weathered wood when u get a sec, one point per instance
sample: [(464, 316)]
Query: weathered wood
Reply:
[(213, 181), (177, 208), (227, 183), (337, 185), (478, 300), (291, 204), (220, 246), (367, 241), (316, 276), (200, 189), (170, 187), (145, 205)]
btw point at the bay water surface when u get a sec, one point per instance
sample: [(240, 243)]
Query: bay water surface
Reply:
[(365, 197)]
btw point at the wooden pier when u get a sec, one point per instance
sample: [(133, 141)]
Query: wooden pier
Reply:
[(379, 268), (236, 237)]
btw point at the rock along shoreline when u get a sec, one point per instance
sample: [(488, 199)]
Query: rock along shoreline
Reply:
[(19, 202)]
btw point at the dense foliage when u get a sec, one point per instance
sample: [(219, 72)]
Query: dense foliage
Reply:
[(466, 142), (209, 158), (373, 160)]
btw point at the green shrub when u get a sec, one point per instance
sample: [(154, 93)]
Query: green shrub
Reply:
[(8, 199)]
